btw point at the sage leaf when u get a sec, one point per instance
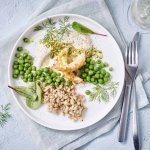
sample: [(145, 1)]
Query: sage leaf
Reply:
[(35, 104)]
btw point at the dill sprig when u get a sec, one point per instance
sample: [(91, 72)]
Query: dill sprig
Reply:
[(64, 26), (104, 92), (4, 114)]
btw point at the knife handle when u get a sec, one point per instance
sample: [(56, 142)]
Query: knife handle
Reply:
[(124, 114)]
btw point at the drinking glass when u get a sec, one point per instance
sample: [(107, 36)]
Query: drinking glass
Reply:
[(140, 11)]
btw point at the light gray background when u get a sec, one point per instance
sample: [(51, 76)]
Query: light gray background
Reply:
[(13, 136)]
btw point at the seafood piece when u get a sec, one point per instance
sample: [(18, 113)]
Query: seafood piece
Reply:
[(72, 77), (63, 64)]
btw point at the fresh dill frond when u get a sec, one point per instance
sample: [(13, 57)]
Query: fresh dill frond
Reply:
[(4, 114), (104, 92)]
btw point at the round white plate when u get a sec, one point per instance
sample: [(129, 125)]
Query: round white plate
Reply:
[(95, 110)]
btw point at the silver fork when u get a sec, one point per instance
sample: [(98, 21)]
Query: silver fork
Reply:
[(132, 66)]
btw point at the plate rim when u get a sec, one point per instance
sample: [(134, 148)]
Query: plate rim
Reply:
[(10, 65)]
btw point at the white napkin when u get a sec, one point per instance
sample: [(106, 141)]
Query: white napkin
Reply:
[(48, 139)]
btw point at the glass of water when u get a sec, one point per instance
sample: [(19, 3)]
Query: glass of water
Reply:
[(140, 10)]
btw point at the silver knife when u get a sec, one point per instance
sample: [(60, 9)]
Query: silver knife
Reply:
[(125, 108)]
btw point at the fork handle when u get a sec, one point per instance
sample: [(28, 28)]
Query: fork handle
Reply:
[(135, 119), (124, 114)]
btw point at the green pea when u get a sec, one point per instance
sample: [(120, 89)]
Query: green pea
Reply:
[(68, 83), (21, 72), (21, 67), (28, 71), (42, 75), (98, 72), (15, 76), (34, 74), (90, 72), (95, 82), (26, 40), (86, 70), (87, 92), (19, 49), (57, 83), (16, 63), (97, 76), (27, 65), (84, 75), (17, 55), (30, 75), (33, 68), (50, 71), (58, 74), (54, 79), (92, 79), (92, 62), (103, 71), (16, 71), (107, 74), (101, 76), (100, 81), (88, 78), (53, 84), (91, 67), (38, 77), (46, 70), (42, 79), (49, 81), (54, 74), (15, 66), (111, 69), (88, 60), (26, 61), (106, 79), (25, 54), (48, 77), (96, 68), (99, 61), (21, 61), (29, 57), (38, 72), (58, 80), (62, 79), (30, 80), (105, 64)]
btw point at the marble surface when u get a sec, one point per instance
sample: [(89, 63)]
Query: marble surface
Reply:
[(14, 137)]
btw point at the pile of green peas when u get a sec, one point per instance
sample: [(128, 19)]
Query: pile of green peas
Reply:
[(95, 71), (23, 67)]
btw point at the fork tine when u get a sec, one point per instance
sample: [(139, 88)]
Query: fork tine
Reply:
[(136, 54), (129, 54), (126, 54), (133, 52)]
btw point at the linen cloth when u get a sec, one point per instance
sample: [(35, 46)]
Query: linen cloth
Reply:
[(48, 139)]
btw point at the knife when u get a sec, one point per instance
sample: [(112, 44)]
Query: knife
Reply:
[(125, 107)]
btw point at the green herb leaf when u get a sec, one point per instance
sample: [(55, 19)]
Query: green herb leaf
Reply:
[(33, 96), (81, 28), (25, 91), (4, 114), (37, 28), (35, 104), (104, 92)]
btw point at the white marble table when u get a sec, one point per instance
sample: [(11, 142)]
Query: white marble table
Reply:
[(14, 137)]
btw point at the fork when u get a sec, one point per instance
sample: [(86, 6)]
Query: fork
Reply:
[(131, 57)]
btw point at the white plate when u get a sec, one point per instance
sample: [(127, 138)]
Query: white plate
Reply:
[(96, 111)]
